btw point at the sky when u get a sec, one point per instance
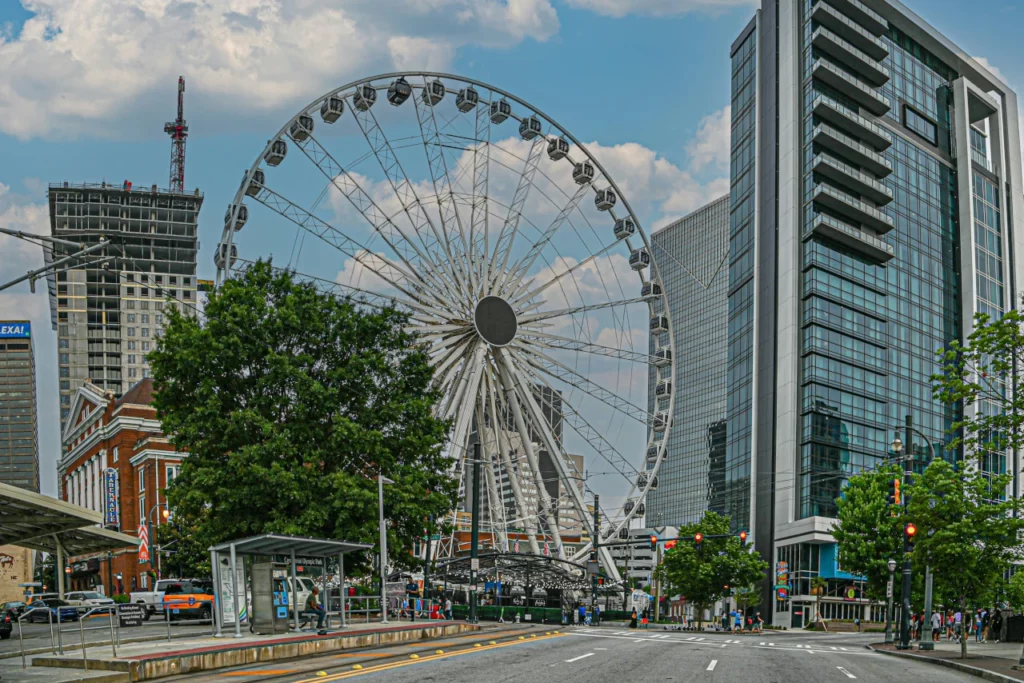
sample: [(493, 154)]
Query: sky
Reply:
[(86, 86)]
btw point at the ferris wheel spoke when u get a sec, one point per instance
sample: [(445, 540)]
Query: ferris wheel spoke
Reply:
[(435, 242), (443, 189), (558, 342), (587, 308), (564, 373), (400, 243), (478, 214), (488, 452), (523, 293), (506, 238), (522, 267)]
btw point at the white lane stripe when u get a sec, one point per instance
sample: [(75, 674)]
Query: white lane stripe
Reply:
[(762, 642), (725, 646), (712, 665), (844, 649), (576, 659), (691, 638), (848, 674), (833, 648)]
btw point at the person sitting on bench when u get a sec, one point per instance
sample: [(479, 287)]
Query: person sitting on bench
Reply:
[(313, 606)]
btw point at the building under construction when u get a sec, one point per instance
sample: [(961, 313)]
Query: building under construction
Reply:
[(108, 307)]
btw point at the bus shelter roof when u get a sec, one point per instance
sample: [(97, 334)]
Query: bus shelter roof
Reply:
[(83, 541), (280, 544), (26, 516)]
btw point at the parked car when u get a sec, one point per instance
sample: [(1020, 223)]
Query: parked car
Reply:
[(88, 599), (59, 610), (6, 624), (189, 599), (303, 588), (152, 599), (15, 609)]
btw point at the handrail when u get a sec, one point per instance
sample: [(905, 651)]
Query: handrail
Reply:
[(21, 633)]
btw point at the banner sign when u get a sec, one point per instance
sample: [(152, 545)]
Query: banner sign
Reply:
[(129, 615), (782, 580), (15, 330), (110, 497), (144, 546)]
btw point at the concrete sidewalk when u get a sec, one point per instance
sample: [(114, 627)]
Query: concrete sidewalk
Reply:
[(149, 660), (991, 661)]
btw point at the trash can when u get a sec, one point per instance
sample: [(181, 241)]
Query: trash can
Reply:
[(1015, 628)]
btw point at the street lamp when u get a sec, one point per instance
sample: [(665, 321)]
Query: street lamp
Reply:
[(381, 480), (888, 614), (149, 531), (925, 642)]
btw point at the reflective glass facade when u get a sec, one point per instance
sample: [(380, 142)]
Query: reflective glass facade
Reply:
[(693, 258), (19, 434)]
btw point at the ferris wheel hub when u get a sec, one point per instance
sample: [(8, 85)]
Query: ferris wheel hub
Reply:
[(495, 321)]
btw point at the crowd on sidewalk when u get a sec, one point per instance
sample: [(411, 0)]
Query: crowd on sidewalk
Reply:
[(984, 625)]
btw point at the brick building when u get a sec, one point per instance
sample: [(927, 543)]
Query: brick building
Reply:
[(116, 460)]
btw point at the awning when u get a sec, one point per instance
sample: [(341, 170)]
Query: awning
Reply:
[(517, 569), (279, 544), (83, 541), (26, 515)]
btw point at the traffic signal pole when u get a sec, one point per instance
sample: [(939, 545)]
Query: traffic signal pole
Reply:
[(904, 643), (594, 553)]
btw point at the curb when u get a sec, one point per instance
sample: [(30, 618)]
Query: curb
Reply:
[(972, 670)]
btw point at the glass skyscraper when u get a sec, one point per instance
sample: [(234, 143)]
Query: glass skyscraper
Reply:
[(876, 203), (19, 431), (693, 259)]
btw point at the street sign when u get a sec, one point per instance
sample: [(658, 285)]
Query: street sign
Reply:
[(888, 589), (129, 615), (474, 564), (110, 498), (592, 568), (144, 543)]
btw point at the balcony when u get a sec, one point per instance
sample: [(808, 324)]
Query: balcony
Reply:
[(850, 177), (851, 86), (852, 150), (871, 20), (847, 54), (852, 208), (851, 122), (849, 236), (839, 23)]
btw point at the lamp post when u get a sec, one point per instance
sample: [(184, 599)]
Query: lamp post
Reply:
[(149, 531), (925, 642), (888, 614), (381, 480)]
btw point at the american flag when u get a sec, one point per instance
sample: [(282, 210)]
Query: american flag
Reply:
[(517, 545), (547, 550)]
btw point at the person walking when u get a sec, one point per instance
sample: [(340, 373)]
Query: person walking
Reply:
[(986, 625), (936, 626), (759, 623), (979, 635), (583, 614), (448, 609), (913, 626), (632, 619), (597, 615), (958, 625), (996, 629)]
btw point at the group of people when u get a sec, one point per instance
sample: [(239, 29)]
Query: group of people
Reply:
[(639, 621), (984, 624), (580, 617)]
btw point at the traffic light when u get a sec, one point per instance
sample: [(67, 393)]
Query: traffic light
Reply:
[(600, 581), (654, 543), (910, 530), (743, 539), (894, 492), (697, 538)]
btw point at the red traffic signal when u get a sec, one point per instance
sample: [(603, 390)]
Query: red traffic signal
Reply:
[(910, 529), (654, 543), (743, 539), (697, 538)]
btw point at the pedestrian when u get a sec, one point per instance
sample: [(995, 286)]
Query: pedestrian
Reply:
[(448, 609), (643, 620), (632, 619), (759, 623), (979, 636), (856, 622), (738, 621), (913, 624), (936, 626), (565, 617), (583, 613), (986, 625), (958, 625), (597, 615), (996, 629)]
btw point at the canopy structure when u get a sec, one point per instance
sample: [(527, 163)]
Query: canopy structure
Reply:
[(276, 544), (39, 522), (519, 569)]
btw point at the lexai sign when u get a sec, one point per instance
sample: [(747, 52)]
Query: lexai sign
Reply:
[(15, 330)]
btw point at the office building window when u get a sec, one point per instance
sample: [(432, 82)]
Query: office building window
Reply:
[(145, 319), (131, 331), (920, 125), (131, 317), (145, 331)]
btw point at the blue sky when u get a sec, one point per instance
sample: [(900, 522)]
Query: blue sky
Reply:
[(86, 85)]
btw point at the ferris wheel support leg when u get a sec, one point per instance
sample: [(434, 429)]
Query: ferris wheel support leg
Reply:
[(509, 385), (513, 474), (561, 465)]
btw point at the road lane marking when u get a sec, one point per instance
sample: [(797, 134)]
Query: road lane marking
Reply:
[(712, 665), (262, 672), (725, 646), (576, 659), (848, 674), (600, 648), (762, 642)]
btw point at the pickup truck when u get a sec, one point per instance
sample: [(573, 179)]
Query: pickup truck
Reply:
[(154, 599)]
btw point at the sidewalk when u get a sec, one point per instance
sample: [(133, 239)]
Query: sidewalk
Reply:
[(992, 661), (150, 660)]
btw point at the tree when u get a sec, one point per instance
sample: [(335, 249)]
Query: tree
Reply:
[(868, 530), (966, 525), (290, 402), (707, 575), (1015, 591)]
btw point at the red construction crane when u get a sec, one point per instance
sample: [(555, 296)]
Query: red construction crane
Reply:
[(178, 130)]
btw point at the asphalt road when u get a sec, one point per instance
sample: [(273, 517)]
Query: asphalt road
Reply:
[(603, 654), (97, 629)]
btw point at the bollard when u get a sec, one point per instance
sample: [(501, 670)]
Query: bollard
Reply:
[(21, 637), (112, 614), (167, 618), (60, 636), (81, 629)]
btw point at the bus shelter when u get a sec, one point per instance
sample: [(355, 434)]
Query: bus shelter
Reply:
[(531, 572), (40, 522), (226, 588)]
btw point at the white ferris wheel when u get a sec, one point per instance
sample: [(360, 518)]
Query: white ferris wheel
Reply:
[(521, 267)]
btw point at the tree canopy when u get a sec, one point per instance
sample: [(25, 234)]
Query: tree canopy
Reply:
[(713, 572), (290, 402)]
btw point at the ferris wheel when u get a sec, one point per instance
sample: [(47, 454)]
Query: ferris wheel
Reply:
[(521, 267)]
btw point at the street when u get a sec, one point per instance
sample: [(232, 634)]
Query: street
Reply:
[(605, 654)]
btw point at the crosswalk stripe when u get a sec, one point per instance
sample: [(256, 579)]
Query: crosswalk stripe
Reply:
[(844, 649), (762, 643)]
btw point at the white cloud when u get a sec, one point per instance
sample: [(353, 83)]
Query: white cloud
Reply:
[(712, 143), (660, 8), (991, 67), (98, 66)]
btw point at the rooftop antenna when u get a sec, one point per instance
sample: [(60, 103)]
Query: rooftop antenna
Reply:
[(178, 130)]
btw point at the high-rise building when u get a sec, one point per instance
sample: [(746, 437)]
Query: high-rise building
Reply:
[(876, 206), (19, 431), (108, 315), (693, 259)]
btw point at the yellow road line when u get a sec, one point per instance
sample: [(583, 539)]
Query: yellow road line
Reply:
[(262, 672), (427, 658)]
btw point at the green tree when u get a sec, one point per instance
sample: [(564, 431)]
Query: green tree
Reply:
[(1015, 591), (868, 530), (707, 575), (290, 402), (966, 525)]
